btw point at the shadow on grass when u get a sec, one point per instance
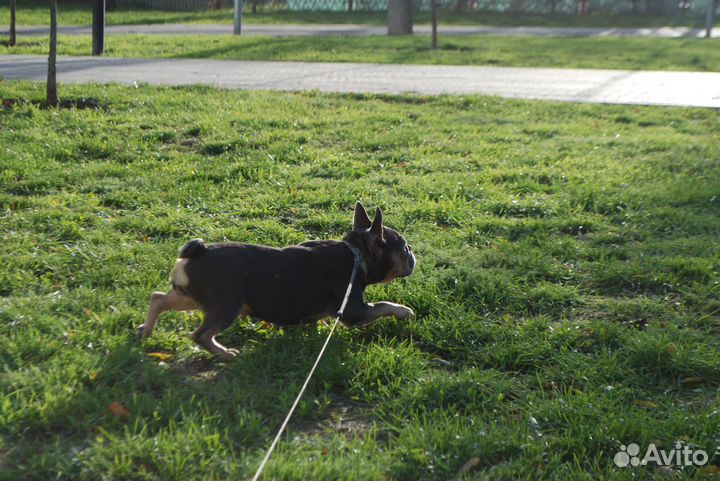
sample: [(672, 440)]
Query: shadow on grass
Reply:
[(241, 402), (261, 48), (80, 103)]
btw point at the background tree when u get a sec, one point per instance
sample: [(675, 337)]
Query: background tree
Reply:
[(655, 7), (710, 18), (13, 8), (553, 6), (583, 7), (110, 5), (516, 6), (399, 18), (463, 6), (52, 96)]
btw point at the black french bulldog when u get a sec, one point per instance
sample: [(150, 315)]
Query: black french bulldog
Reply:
[(295, 285)]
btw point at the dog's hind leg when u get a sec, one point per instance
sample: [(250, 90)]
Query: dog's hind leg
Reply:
[(216, 321), (161, 302)]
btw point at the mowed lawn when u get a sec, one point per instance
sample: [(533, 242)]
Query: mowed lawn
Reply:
[(687, 54), (567, 286)]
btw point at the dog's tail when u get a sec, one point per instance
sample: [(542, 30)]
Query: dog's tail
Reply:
[(193, 248)]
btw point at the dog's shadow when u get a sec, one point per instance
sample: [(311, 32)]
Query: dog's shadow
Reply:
[(246, 398), (136, 395)]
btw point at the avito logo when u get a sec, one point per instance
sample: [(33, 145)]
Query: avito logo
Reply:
[(681, 455)]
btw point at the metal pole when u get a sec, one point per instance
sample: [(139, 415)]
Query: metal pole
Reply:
[(98, 28), (13, 33), (710, 17), (238, 17), (433, 18)]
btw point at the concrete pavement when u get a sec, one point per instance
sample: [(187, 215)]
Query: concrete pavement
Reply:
[(366, 30), (698, 89)]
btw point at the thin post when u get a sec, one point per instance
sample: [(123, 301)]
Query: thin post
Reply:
[(237, 28), (13, 37), (52, 96), (710, 18), (433, 17), (98, 27)]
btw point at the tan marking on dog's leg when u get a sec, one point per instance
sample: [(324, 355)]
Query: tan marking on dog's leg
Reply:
[(204, 336), (161, 302), (371, 312), (178, 276), (207, 341), (385, 309)]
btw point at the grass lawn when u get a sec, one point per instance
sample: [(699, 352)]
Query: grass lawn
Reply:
[(567, 286), (79, 12), (612, 53)]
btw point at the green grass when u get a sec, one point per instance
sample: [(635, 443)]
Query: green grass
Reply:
[(74, 12), (568, 273), (612, 53)]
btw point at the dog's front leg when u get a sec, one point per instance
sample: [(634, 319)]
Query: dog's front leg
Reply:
[(360, 314)]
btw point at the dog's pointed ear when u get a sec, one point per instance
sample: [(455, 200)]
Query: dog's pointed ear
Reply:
[(361, 221), (377, 225)]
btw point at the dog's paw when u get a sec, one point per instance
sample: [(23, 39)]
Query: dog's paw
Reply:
[(228, 355), (142, 332), (403, 313)]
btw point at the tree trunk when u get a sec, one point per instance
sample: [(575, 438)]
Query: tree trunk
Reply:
[(13, 7), (462, 6), (655, 7), (52, 96), (583, 7), (254, 6), (710, 18), (399, 18), (350, 5)]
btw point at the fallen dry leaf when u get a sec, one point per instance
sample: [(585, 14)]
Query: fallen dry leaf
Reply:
[(160, 356), (711, 470), (692, 380), (117, 409), (468, 466)]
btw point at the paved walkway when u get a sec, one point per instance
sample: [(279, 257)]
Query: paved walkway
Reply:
[(365, 30), (700, 89)]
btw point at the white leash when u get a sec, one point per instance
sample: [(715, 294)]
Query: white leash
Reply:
[(312, 371)]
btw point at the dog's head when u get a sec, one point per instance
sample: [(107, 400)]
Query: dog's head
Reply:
[(384, 251)]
